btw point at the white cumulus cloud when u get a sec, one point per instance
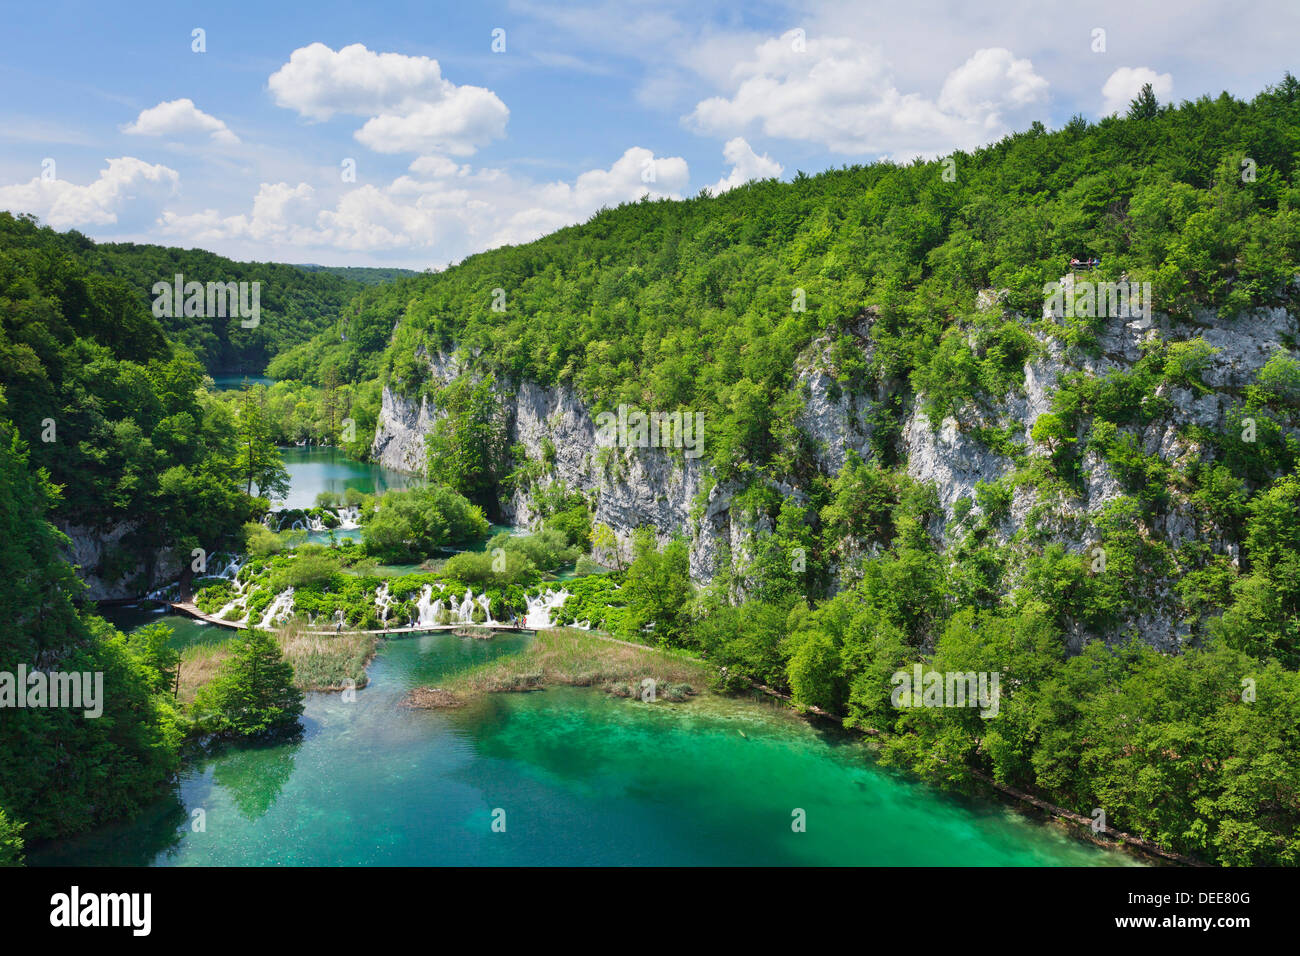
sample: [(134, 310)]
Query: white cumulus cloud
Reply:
[(991, 81), (444, 210), (281, 213), (412, 107), (840, 93), (436, 167), (180, 118), (467, 118), (745, 165), (127, 189)]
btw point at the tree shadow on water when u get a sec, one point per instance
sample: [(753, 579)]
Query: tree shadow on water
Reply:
[(255, 773), (153, 833)]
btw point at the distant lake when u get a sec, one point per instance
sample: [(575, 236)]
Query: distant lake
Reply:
[(315, 468), (186, 631), (226, 383)]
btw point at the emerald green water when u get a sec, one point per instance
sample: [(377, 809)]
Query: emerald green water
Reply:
[(583, 779), (186, 631), (313, 469), (226, 383)]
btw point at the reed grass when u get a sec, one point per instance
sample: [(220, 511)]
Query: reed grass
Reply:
[(320, 662), (199, 664), (326, 662)]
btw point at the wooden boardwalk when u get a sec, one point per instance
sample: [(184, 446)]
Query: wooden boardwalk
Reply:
[(189, 608)]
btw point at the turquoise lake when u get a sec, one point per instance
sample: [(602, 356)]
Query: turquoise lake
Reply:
[(579, 777), (582, 778), (313, 469), (234, 382)]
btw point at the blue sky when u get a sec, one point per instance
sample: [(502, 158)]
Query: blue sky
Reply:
[(112, 124)]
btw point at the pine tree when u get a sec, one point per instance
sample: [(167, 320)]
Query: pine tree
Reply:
[(258, 460), (253, 693), (11, 841), (1144, 105)]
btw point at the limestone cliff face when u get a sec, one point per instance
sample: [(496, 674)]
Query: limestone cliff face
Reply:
[(404, 422), (955, 462), (628, 487), (836, 419), (93, 551), (660, 487), (399, 434)]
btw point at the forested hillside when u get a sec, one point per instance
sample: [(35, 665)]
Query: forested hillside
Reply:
[(296, 303), (114, 413), (59, 771), (366, 275), (108, 433), (695, 304), (913, 461)]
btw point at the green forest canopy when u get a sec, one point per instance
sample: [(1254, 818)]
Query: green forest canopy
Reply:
[(693, 304), (296, 302)]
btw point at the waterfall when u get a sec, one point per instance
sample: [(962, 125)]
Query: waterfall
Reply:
[(384, 602), (280, 608), (538, 615), (168, 592), (460, 612), (230, 569), (465, 613), (428, 613), (222, 611)]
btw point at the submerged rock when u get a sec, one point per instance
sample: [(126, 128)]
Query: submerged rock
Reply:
[(432, 698)]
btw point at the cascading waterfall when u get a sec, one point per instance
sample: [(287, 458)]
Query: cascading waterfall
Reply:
[(280, 608), (465, 613), (168, 592), (427, 612), (459, 612), (230, 565), (227, 608), (538, 615)]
